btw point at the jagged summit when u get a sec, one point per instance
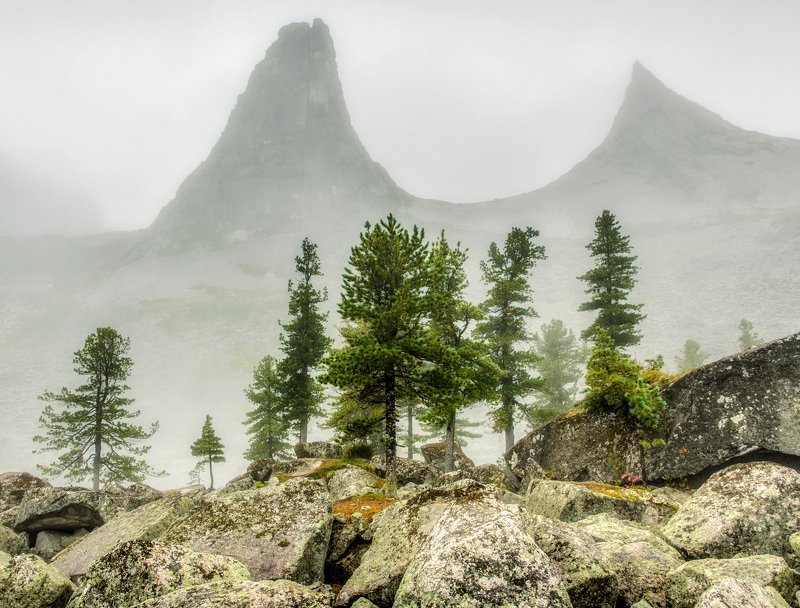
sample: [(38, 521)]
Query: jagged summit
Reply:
[(287, 152)]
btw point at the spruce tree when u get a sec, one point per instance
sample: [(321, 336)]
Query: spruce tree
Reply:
[(267, 424), (93, 432), (748, 338), (384, 297), (209, 449), (691, 357), (560, 363), (610, 282), (507, 309), (438, 432), (303, 342)]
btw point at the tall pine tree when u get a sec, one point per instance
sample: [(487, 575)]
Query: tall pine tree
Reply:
[(610, 282), (507, 309), (267, 424), (303, 342), (691, 357), (385, 298), (93, 432), (209, 449)]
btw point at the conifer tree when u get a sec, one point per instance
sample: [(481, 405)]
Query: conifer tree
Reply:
[(462, 372), (303, 342), (93, 432), (748, 338), (267, 424), (438, 432), (384, 297), (507, 309), (610, 282), (560, 363), (691, 357), (209, 449)]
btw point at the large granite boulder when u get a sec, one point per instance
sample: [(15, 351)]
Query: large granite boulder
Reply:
[(689, 581), (732, 407), (642, 570), (606, 529), (479, 554), (406, 470), (434, 455), (145, 523), (27, 581), (13, 487), (587, 576), (318, 449), (750, 508), (139, 570), (352, 481), (487, 474), (733, 593), (10, 541), (243, 594), (399, 532), (260, 470), (51, 542), (278, 532)]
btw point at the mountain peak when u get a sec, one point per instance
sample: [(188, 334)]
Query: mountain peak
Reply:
[(288, 151)]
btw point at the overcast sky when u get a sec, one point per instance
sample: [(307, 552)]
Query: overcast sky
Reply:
[(460, 100)]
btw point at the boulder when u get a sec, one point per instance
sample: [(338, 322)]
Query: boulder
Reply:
[(689, 581), (722, 411), (50, 542), (733, 593), (487, 474), (434, 455), (10, 541), (260, 470), (478, 554), (278, 532), (749, 508), (13, 487), (296, 468), (605, 529), (586, 574), (27, 581), (145, 523), (399, 532), (352, 481), (238, 484), (641, 570), (363, 602), (318, 449), (243, 594), (139, 570), (406, 470)]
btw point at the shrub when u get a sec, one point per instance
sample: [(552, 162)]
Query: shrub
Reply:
[(358, 449)]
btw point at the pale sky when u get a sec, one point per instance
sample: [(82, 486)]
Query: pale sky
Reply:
[(460, 100)]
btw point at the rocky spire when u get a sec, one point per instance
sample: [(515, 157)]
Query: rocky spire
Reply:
[(288, 151)]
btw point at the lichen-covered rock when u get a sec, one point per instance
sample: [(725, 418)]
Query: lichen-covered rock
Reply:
[(10, 541), (406, 470), (734, 406), (478, 554), (278, 532), (641, 570), (136, 571), (318, 449), (260, 470), (13, 487), (604, 528), (243, 594), (434, 455), (574, 501), (586, 574), (145, 523), (750, 508), (398, 534), (27, 581), (689, 581), (487, 474), (50, 542), (238, 484), (352, 481), (733, 593), (363, 602)]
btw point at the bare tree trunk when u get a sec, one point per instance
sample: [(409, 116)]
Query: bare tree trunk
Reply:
[(390, 428), (98, 446), (450, 440), (410, 440), (304, 431), (509, 430), (211, 472)]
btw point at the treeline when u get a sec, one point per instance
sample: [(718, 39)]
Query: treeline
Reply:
[(413, 348)]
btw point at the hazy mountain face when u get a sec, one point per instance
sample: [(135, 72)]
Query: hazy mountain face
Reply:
[(711, 208)]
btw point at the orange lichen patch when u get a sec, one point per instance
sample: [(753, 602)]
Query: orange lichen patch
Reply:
[(631, 493), (368, 505)]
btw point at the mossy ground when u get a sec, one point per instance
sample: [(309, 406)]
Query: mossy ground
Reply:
[(368, 505)]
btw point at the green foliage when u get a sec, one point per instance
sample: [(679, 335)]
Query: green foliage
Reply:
[(504, 328), (266, 423), (560, 362), (437, 432), (303, 343), (610, 282), (748, 338), (358, 449), (92, 432), (208, 448), (691, 357), (645, 404)]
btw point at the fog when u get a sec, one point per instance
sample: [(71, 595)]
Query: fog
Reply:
[(114, 103)]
